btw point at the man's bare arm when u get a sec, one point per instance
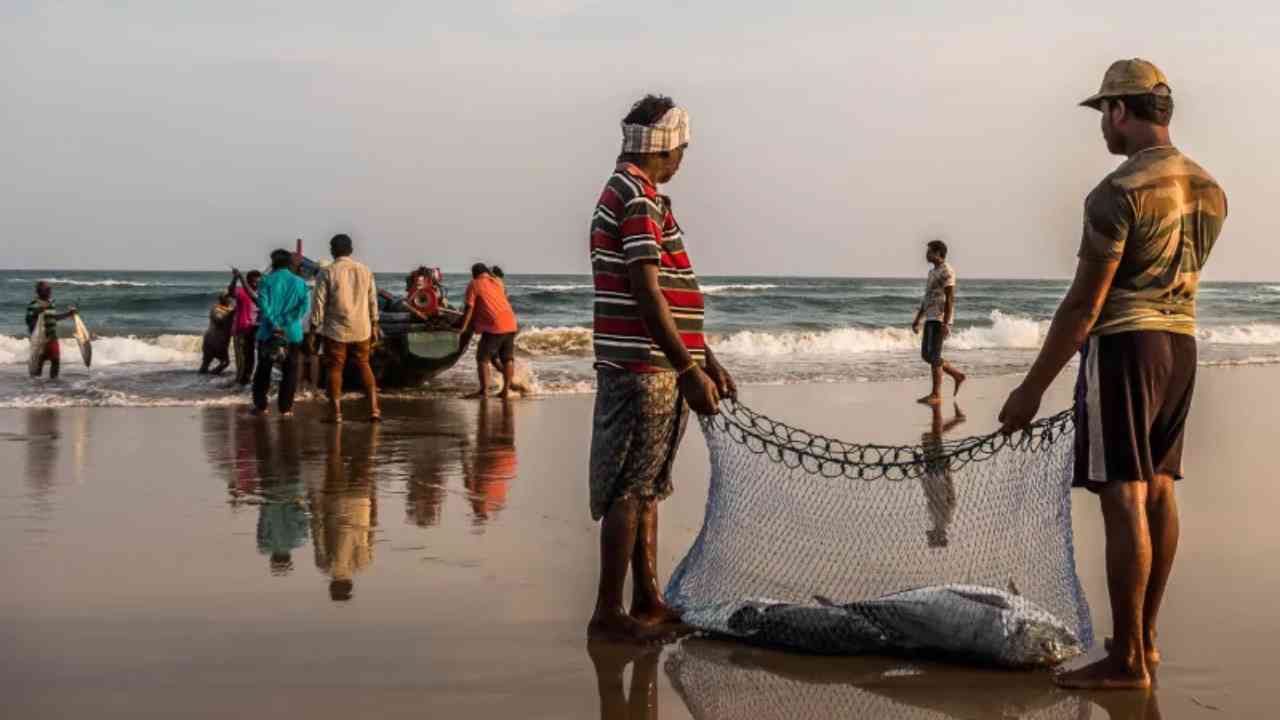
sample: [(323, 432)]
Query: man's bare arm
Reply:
[(1071, 325), (699, 389), (949, 314), (656, 313)]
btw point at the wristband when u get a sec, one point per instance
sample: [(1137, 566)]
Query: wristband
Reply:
[(693, 365)]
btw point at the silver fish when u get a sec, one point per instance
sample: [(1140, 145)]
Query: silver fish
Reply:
[(970, 622)]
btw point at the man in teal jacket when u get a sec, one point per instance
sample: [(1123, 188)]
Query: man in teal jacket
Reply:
[(283, 302)]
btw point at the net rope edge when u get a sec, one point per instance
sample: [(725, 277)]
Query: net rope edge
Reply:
[(832, 458)]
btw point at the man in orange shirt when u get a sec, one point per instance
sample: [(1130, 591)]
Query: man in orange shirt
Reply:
[(489, 313)]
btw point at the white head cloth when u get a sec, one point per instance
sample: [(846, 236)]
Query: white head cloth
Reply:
[(670, 132)]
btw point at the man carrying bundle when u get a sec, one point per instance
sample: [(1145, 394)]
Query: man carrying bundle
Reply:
[(1148, 230), (651, 360)]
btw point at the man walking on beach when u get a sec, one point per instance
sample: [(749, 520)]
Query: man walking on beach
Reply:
[(345, 314), (651, 359), (1148, 230), (283, 302), (42, 309), (489, 313), (937, 310)]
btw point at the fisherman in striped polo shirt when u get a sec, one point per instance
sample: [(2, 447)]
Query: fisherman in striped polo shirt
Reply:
[(652, 363)]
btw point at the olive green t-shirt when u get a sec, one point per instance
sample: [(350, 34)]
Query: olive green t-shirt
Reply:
[(1159, 214)]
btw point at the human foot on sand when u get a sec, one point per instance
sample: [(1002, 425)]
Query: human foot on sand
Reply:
[(959, 379), (620, 627), (474, 395), (930, 400), (656, 614), (1152, 652), (1108, 673)]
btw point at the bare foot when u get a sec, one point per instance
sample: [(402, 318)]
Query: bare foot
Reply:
[(286, 414), (1105, 674), (375, 418), (618, 627), (1152, 652), (505, 394), (332, 419), (930, 400), (958, 379), (472, 396), (260, 412), (659, 614)]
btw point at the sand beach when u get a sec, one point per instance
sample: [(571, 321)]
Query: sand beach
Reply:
[(195, 561)]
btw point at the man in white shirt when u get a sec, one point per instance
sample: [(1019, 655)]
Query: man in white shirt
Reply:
[(937, 311), (345, 314)]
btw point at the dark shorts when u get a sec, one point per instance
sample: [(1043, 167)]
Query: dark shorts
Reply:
[(931, 342), (1132, 400), (501, 346)]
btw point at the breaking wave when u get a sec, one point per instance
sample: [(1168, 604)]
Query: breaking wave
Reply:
[(92, 283), (109, 351)]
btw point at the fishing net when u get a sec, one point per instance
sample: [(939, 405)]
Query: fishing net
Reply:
[(793, 515)]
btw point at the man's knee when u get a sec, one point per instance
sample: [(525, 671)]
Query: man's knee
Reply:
[(1160, 490), (1127, 497)]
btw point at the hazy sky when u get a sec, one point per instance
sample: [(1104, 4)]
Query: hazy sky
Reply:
[(828, 137)]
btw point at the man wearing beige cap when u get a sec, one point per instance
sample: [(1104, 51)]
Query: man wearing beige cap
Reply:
[(1149, 227)]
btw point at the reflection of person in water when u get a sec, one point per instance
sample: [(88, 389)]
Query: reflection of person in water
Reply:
[(344, 511), (939, 488), (492, 463), (610, 660), (282, 514)]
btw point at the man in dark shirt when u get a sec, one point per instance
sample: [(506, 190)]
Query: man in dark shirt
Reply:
[(43, 306)]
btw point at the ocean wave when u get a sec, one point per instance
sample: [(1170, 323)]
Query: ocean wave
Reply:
[(109, 351), (738, 287), (1006, 331), (1252, 334), (554, 287), (537, 341), (93, 283)]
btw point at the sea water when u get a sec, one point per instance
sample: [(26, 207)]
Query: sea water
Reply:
[(775, 330)]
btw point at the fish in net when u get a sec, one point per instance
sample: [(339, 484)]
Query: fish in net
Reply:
[(961, 549)]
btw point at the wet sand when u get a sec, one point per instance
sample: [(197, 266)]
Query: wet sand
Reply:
[(196, 561)]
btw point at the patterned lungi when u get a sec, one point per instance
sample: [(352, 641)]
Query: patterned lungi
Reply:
[(639, 421)]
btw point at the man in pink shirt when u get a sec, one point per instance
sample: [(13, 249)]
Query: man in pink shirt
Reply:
[(244, 326)]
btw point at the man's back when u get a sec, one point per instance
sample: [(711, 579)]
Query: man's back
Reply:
[(1159, 214), (345, 304), (493, 313)]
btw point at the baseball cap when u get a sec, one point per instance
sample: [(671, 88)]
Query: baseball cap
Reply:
[(1129, 77)]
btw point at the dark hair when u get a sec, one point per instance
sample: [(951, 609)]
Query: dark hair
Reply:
[(497, 272), (479, 269), (340, 245), (1156, 108), (252, 275), (281, 258), (649, 110), (939, 247)]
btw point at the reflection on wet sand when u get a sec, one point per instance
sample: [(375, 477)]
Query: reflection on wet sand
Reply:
[(616, 702), (727, 681), (42, 455), (939, 487), (344, 509), (491, 465)]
